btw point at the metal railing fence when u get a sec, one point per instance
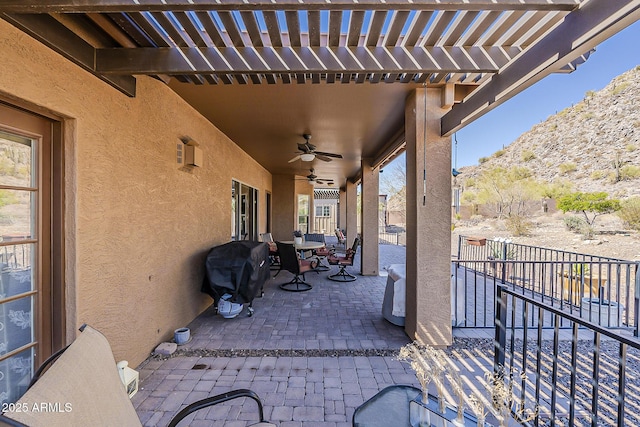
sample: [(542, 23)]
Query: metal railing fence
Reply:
[(603, 290), (385, 238), (584, 376)]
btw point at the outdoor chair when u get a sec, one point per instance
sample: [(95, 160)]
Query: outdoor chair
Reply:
[(342, 240), (290, 261), (80, 386), (274, 258), (322, 253), (343, 262)]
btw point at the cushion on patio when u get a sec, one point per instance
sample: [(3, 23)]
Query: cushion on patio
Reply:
[(82, 388)]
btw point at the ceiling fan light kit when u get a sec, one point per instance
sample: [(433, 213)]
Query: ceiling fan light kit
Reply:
[(307, 152)]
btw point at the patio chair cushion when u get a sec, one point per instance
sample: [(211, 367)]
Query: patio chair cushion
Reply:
[(84, 384)]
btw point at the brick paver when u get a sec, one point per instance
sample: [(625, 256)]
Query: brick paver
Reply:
[(304, 390)]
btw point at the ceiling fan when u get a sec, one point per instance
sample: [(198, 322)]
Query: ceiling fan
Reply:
[(308, 152), (313, 178)]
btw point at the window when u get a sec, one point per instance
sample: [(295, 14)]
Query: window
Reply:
[(323, 211)]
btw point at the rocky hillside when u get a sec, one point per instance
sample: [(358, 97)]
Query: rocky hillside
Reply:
[(594, 144)]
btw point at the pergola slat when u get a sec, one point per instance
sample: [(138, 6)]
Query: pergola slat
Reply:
[(478, 28), (314, 27), (355, 28), (253, 29), (273, 28), (94, 6), (458, 27), (505, 22), (377, 21), (397, 23), (191, 30), (523, 26), (293, 25), (542, 29), (212, 29), (420, 21), (149, 29), (438, 27), (171, 30), (335, 22), (231, 28), (130, 28)]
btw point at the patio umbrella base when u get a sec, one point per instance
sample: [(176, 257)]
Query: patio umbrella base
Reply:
[(342, 276)]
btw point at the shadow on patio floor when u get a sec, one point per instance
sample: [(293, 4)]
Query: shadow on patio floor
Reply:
[(313, 357)]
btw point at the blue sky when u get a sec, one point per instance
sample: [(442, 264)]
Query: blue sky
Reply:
[(507, 122)]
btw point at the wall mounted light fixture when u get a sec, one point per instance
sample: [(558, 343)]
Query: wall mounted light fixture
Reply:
[(192, 154)]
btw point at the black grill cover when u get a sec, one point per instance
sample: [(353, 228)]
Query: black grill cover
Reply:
[(238, 268)]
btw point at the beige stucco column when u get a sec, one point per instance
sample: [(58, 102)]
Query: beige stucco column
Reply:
[(428, 316), (369, 219), (342, 209), (351, 217)]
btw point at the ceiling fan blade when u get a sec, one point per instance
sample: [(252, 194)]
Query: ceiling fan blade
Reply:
[(323, 158), (337, 156), (306, 148), (295, 158)]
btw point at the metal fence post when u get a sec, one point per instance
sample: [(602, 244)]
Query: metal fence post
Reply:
[(503, 272), (500, 341), (636, 300)]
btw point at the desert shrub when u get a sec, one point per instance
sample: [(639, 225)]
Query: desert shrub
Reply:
[(631, 148), (619, 88), (528, 155), (470, 182), (518, 225), (630, 212), (482, 160), (629, 172), (499, 153), (7, 198), (566, 168), (574, 223), (598, 174)]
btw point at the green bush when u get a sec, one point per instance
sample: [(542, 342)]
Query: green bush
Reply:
[(482, 160), (518, 225), (630, 212), (566, 168), (629, 172), (599, 174), (528, 155), (499, 153), (631, 148), (574, 223)]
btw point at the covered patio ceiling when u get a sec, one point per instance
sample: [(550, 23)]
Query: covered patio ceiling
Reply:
[(266, 72)]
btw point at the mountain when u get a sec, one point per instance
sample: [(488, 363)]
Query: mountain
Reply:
[(589, 144)]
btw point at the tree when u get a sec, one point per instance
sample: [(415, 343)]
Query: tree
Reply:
[(595, 204), (508, 190), (393, 182)]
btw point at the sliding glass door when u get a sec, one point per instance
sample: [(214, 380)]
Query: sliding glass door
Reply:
[(244, 212)]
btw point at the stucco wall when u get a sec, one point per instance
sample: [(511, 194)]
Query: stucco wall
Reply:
[(138, 227)]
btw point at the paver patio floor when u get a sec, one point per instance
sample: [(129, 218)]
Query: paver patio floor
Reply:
[(312, 357)]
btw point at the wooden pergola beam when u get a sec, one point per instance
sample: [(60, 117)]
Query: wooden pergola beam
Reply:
[(56, 36), (98, 6), (580, 32), (316, 59)]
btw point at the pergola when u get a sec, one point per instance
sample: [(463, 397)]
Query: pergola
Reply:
[(364, 77)]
